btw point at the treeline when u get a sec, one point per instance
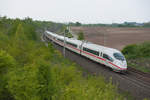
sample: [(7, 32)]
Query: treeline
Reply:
[(35, 27), (138, 56), (112, 25), (31, 71)]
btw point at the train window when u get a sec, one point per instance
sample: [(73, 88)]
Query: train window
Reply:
[(74, 45), (60, 40), (107, 57), (119, 56), (101, 54), (91, 51)]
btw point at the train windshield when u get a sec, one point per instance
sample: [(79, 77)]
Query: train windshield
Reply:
[(119, 56)]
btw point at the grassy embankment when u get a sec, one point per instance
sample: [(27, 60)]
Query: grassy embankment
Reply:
[(31, 71), (138, 56)]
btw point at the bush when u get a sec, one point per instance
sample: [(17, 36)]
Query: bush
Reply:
[(138, 56), (6, 64), (137, 51), (145, 49), (129, 51), (81, 36), (23, 83)]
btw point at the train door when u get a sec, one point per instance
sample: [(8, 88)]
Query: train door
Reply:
[(81, 47), (106, 57), (101, 56)]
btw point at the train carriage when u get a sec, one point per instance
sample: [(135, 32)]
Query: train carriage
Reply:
[(108, 56)]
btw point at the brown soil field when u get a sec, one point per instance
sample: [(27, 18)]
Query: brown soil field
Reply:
[(115, 37)]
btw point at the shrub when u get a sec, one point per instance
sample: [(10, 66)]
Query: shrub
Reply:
[(23, 83), (136, 53), (140, 50), (129, 51), (81, 36), (6, 64)]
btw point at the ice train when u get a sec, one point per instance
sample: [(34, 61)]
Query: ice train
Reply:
[(108, 56)]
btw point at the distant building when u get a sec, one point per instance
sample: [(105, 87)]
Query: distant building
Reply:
[(139, 24), (133, 23), (129, 23)]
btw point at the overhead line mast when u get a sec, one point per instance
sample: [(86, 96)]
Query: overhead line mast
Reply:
[(65, 31)]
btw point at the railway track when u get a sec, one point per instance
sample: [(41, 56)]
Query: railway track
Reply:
[(144, 77), (135, 82), (135, 71)]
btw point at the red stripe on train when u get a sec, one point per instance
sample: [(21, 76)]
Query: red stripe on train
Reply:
[(93, 56)]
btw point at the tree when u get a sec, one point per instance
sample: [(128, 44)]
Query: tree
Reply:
[(81, 36), (78, 24), (67, 33), (19, 35), (6, 64)]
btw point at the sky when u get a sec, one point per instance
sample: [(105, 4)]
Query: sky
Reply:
[(84, 11)]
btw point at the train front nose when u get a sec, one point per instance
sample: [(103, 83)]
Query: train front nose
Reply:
[(123, 65)]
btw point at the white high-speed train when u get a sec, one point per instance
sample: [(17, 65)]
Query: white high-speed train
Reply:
[(108, 56)]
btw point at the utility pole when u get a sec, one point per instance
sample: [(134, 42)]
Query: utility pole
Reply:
[(105, 36), (64, 42), (68, 28), (104, 39), (65, 31)]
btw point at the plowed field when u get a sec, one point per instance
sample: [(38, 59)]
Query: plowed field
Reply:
[(114, 37)]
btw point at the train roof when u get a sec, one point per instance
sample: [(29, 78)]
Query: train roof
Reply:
[(89, 45), (72, 40), (55, 35)]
